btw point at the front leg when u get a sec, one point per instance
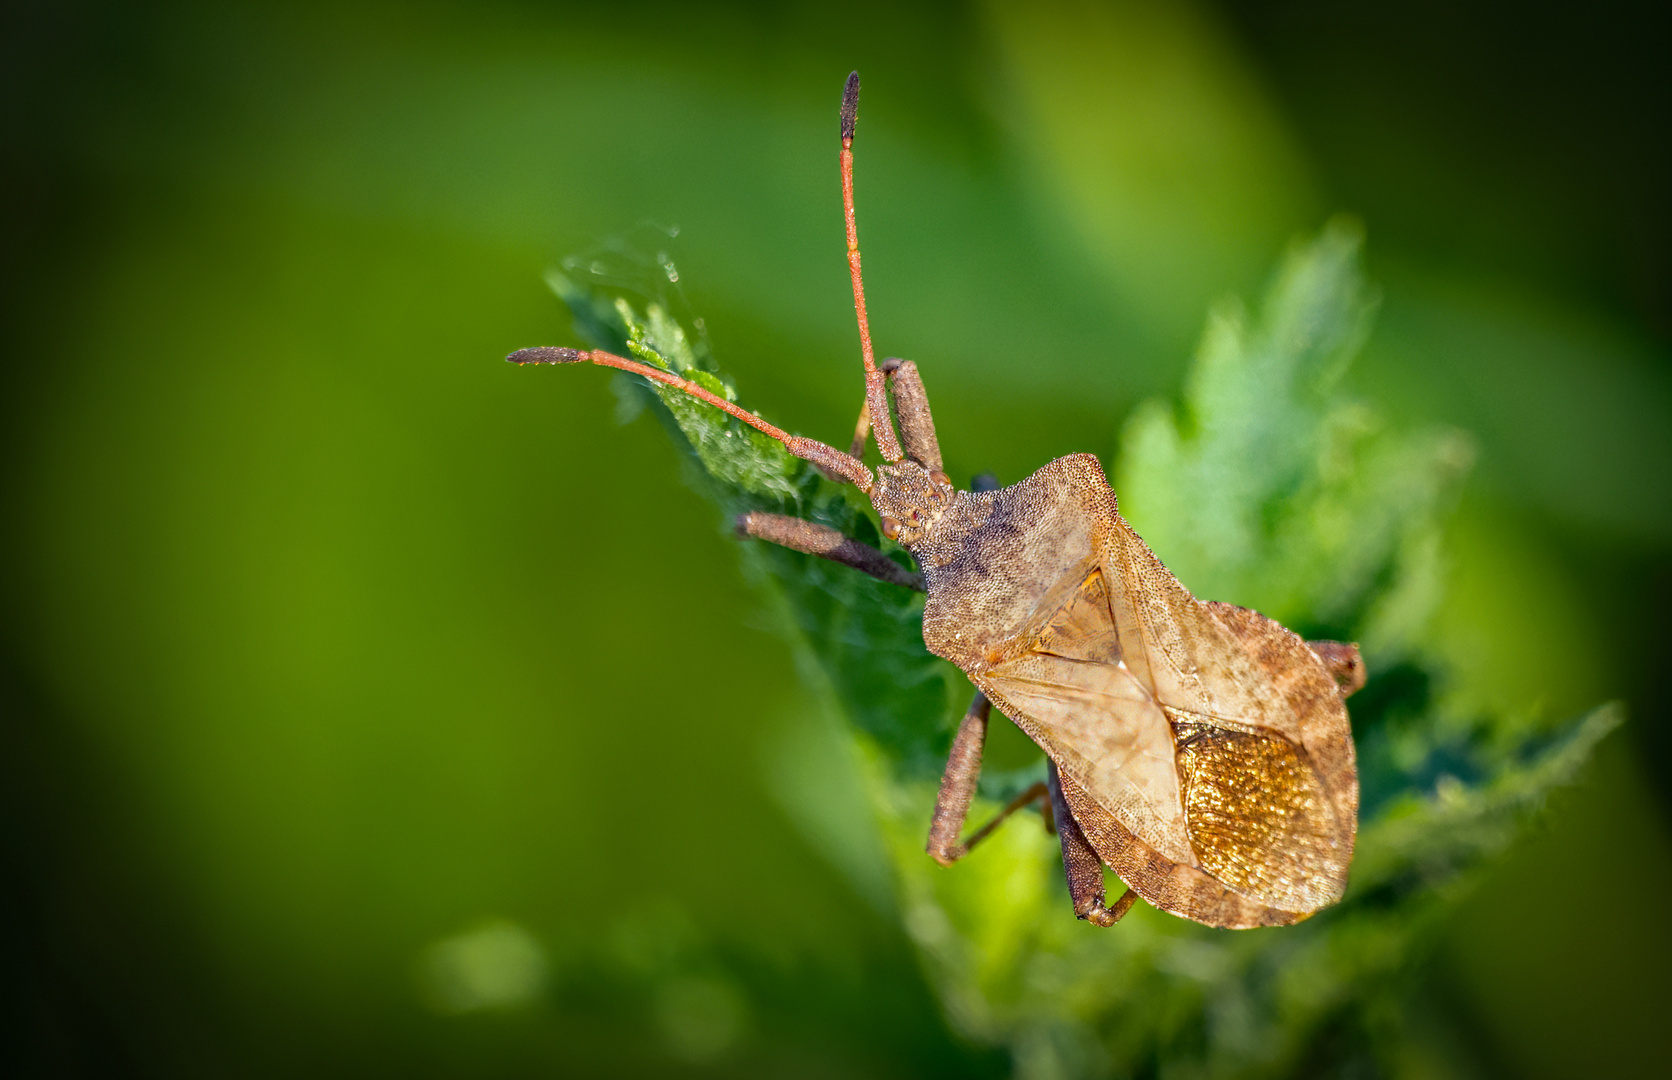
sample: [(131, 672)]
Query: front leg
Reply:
[(957, 790)]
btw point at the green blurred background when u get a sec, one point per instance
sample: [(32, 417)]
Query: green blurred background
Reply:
[(371, 705)]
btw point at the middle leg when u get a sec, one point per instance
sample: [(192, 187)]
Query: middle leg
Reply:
[(1082, 864)]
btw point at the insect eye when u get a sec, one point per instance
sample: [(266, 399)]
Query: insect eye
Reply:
[(891, 528)]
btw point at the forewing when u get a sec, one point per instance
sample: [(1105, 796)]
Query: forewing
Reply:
[(1069, 689), (1264, 752), (1180, 652), (1170, 714)]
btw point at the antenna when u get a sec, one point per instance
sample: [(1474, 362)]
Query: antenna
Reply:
[(875, 414), (825, 457)]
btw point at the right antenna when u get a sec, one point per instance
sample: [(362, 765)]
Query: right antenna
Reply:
[(875, 414)]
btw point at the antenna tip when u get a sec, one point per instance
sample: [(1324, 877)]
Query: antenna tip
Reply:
[(850, 106), (546, 354)]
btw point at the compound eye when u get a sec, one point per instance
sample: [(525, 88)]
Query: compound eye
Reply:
[(891, 528), (940, 480)]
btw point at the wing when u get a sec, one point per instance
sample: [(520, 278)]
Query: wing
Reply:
[(1200, 736), (1264, 750), (1225, 794), (1068, 688)]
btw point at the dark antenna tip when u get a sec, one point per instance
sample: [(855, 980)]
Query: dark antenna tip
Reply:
[(545, 354), (850, 106)]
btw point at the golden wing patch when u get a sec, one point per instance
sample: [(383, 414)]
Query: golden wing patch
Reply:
[(1257, 814)]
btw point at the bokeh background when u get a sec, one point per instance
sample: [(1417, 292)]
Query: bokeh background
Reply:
[(373, 706)]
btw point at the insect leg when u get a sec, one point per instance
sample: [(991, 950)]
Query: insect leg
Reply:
[(861, 431), (827, 543), (957, 790), (1082, 864), (911, 409)]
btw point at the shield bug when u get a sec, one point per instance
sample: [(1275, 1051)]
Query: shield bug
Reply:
[(1198, 749)]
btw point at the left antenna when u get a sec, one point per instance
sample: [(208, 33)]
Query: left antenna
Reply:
[(876, 393)]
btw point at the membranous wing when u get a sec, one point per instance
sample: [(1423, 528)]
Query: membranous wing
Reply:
[(1258, 816), (1246, 703)]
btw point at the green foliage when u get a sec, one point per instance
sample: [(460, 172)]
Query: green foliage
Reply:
[(1268, 485)]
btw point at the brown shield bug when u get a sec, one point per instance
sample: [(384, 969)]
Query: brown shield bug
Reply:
[(1198, 749)]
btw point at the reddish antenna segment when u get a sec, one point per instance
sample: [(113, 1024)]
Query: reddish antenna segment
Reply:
[(828, 458), (875, 414)]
